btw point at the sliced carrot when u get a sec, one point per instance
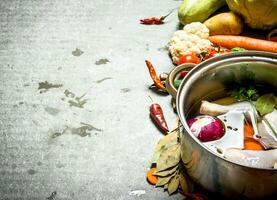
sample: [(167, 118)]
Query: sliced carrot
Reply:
[(249, 142), (231, 41), (151, 178), (248, 131)]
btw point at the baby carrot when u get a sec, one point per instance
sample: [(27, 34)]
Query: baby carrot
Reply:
[(151, 178), (230, 41)]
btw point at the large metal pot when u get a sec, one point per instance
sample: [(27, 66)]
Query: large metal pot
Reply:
[(209, 81)]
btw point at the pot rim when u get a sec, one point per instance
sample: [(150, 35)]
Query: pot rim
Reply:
[(208, 64)]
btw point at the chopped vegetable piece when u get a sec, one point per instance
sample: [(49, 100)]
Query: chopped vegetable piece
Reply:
[(265, 104), (177, 83), (151, 178), (156, 114), (238, 49), (249, 142), (158, 83), (252, 144), (230, 41), (189, 58), (183, 74)]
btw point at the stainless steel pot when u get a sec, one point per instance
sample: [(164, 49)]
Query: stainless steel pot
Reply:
[(209, 81)]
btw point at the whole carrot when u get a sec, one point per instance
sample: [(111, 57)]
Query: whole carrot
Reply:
[(230, 41), (156, 114), (158, 83)]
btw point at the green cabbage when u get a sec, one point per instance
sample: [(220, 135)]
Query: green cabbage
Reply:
[(198, 10), (261, 14)]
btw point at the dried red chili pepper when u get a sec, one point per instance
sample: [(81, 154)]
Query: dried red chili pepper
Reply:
[(156, 114), (154, 20), (158, 83)]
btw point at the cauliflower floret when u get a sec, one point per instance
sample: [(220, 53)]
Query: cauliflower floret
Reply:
[(191, 39), (197, 28)]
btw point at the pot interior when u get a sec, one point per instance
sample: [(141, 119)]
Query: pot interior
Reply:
[(214, 78)]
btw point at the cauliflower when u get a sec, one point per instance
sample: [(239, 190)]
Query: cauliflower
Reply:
[(197, 28), (193, 38)]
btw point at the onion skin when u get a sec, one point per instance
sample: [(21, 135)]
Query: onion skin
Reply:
[(206, 128)]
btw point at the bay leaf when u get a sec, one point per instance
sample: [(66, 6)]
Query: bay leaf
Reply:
[(184, 183), (169, 158), (173, 184), (184, 173), (163, 148), (265, 104), (164, 143), (167, 172), (164, 180)]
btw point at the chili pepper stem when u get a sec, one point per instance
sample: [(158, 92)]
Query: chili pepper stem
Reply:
[(163, 17)]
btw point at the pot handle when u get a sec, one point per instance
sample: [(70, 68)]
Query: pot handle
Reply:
[(172, 75)]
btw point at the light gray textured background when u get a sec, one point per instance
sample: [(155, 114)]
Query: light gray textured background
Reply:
[(37, 38)]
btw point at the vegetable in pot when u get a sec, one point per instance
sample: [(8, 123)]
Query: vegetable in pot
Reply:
[(249, 142), (177, 83), (206, 128), (198, 10)]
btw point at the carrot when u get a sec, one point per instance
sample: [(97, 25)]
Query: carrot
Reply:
[(229, 41), (252, 144), (248, 131), (249, 142), (152, 179)]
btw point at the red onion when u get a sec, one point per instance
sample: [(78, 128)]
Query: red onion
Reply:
[(206, 128)]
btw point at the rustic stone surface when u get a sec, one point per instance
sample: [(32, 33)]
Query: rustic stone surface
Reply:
[(77, 138)]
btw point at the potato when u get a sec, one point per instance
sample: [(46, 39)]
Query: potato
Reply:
[(225, 24)]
